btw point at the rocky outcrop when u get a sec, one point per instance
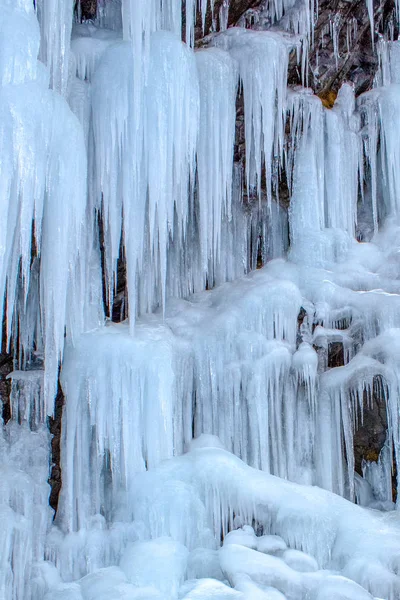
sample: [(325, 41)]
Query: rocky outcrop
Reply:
[(370, 436), (6, 366), (55, 480)]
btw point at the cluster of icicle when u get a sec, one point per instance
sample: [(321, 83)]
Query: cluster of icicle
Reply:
[(133, 144)]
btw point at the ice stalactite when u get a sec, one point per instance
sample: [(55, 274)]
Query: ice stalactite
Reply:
[(55, 17), (370, 8), (158, 251), (379, 476), (345, 391), (343, 162), (307, 200), (140, 19), (215, 148), (264, 122), (26, 397), (224, 14), (128, 438)]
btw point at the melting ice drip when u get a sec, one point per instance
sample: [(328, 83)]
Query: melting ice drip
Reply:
[(195, 434)]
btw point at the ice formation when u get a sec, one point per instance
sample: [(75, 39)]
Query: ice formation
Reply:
[(207, 443), (43, 201), (55, 18)]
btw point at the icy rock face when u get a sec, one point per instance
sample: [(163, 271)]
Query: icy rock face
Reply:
[(207, 446), (156, 266)]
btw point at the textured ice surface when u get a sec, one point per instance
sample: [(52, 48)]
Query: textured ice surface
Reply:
[(25, 515), (335, 545), (160, 563)]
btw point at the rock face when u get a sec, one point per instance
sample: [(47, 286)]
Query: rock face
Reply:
[(88, 9), (342, 48), (55, 480), (370, 437), (6, 366)]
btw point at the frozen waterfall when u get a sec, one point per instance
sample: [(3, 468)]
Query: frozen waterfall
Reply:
[(156, 283)]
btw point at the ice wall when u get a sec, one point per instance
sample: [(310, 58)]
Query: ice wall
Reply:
[(207, 444)]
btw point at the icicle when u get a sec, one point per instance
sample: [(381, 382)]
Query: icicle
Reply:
[(88, 46), (378, 108), (307, 157), (153, 15), (26, 397), (389, 63), (160, 166), (263, 61), (224, 15), (171, 139), (109, 14), (324, 196), (370, 8), (132, 409), (55, 17), (387, 103), (218, 84), (379, 476), (335, 27)]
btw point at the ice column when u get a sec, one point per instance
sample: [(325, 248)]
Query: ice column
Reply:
[(42, 200), (218, 83), (326, 156)]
